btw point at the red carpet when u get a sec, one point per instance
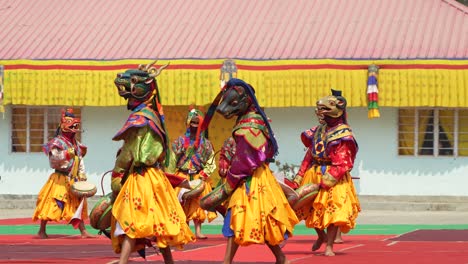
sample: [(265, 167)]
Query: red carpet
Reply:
[(356, 249), (421, 246), (434, 235)]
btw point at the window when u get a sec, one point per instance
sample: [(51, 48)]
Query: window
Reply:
[(433, 132), (34, 126)]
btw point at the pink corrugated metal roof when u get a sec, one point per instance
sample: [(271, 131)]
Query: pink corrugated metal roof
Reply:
[(242, 29)]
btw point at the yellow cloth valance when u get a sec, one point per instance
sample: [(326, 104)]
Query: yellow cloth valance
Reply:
[(280, 83)]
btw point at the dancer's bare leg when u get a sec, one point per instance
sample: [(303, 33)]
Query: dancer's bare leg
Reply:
[(167, 255), (331, 234), (231, 249), (198, 232), (42, 230), (84, 232), (279, 255), (321, 238), (127, 247), (338, 238)]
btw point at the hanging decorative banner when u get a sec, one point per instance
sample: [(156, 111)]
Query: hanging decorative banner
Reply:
[(228, 71), (2, 108), (372, 92)]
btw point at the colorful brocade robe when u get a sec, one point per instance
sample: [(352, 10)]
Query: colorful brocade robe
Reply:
[(333, 149)]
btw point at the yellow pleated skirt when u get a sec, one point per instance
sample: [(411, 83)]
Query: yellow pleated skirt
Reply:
[(57, 188), (192, 208), (147, 207), (338, 205), (262, 214)]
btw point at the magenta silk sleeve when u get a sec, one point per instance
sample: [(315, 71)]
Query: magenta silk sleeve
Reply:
[(245, 160)]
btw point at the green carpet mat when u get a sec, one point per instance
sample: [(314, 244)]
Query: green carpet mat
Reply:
[(299, 229)]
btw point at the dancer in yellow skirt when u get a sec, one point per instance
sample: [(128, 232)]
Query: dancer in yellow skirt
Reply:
[(331, 150), (146, 207), (195, 160), (258, 211), (55, 201)]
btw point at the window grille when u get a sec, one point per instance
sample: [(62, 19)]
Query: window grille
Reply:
[(433, 132), (31, 127)]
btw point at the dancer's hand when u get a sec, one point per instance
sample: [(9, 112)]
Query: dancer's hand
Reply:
[(82, 177), (203, 175), (223, 168), (298, 180)]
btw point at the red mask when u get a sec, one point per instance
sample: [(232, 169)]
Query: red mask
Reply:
[(69, 123)]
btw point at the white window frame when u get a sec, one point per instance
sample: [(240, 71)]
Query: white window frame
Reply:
[(435, 146), (46, 111)]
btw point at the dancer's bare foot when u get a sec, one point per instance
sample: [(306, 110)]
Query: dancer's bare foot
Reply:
[(317, 244), (338, 237), (201, 236), (86, 234), (42, 230), (329, 252), (282, 260), (198, 232), (338, 241), (42, 235), (321, 238)]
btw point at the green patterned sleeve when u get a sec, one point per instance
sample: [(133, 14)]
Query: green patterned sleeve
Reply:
[(125, 154), (142, 147), (151, 148), (171, 168)]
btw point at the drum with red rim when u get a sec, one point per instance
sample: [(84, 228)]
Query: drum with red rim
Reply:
[(100, 216), (83, 189), (197, 186)]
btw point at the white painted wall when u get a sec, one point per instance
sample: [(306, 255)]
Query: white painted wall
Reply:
[(26, 173), (381, 170)]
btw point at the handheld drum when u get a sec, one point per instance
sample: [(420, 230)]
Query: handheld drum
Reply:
[(289, 192), (307, 194), (214, 199), (100, 216), (83, 189), (197, 188)]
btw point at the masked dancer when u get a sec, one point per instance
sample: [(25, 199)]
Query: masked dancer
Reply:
[(195, 161), (146, 205), (258, 211), (55, 201), (331, 151)]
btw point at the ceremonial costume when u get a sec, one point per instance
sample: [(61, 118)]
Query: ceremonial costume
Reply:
[(258, 211), (146, 205), (331, 151), (55, 201), (195, 160)]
